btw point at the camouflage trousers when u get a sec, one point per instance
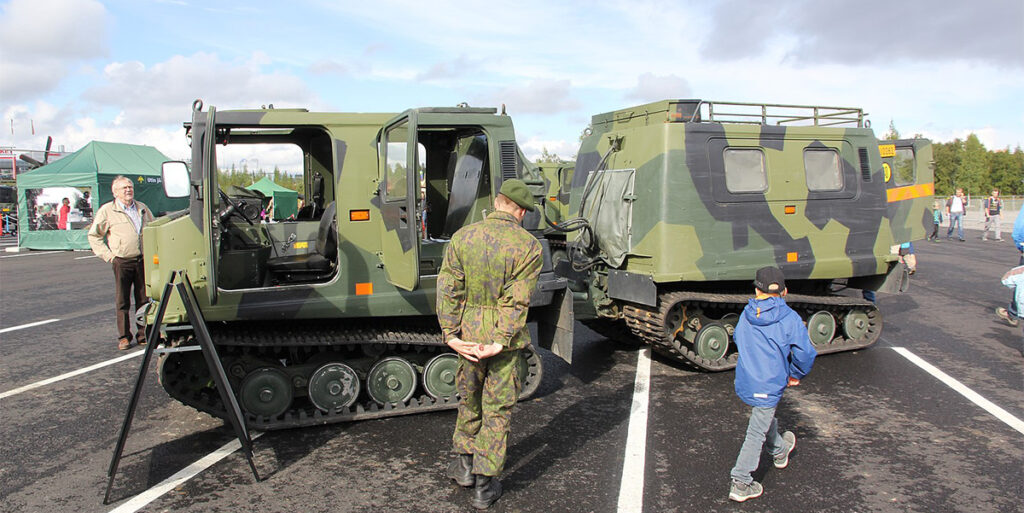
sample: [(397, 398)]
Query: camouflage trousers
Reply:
[(488, 390)]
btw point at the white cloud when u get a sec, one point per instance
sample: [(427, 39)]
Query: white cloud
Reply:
[(446, 71), (536, 97), (139, 104), (533, 147), (43, 40), (162, 93), (651, 87), (873, 31)]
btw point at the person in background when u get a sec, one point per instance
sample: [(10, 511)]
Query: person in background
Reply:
[(937, 220), (1010, 313), (775, 352), (84, 204), (992, 207), (47, 221), (115, 237), (1014, 278), (908, 257), (956, 205), (62, 215)]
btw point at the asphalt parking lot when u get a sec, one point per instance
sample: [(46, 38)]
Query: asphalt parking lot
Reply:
[(876, 431)]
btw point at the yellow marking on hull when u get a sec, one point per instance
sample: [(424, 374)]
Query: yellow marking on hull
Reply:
[(910, 192)]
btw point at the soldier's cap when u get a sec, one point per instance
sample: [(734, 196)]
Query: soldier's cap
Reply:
[(515, 190), (770, 280)]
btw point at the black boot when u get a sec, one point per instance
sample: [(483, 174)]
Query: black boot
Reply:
[(486, 492), (461, 469)]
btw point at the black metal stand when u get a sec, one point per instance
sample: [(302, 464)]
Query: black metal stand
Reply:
[(179, 281)]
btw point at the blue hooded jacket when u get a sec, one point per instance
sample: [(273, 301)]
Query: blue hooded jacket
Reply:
[(774, 346)]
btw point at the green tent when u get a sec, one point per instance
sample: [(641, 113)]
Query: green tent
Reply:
[(84, 177), (286, 201)]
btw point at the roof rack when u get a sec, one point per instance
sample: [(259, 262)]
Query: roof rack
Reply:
[(769, 114)]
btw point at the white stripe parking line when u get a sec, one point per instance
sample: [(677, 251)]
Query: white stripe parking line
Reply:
[(973, 396), (631, 489), (29, 325), (141, 500), (71, 374), (31, 254), (80, 258)]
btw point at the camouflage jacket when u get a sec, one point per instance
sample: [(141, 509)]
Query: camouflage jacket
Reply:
[(490, 269)]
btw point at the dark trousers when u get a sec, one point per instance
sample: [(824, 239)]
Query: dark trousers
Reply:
[(129, 273), (935, 232)]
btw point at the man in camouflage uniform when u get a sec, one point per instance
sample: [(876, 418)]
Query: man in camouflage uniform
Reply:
[(490, 269)]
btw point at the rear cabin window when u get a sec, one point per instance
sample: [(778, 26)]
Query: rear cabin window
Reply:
[(823, 170), (903, 166), (744, 170)]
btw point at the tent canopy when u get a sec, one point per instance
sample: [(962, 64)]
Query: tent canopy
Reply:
[(91, 169), (286, 201)]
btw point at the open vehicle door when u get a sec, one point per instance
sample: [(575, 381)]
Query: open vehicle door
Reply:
[(211, 222), (910, 187), (397, 192)]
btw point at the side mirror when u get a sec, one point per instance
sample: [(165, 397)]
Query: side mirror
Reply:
[(175, 178)]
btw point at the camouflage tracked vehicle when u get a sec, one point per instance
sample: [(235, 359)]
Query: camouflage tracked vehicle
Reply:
[(330, 317), (684, 200)]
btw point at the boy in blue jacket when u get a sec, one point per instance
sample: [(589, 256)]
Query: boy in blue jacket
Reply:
[(775, 352)]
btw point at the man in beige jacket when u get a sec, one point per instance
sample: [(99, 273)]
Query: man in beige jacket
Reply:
[(116, 237)]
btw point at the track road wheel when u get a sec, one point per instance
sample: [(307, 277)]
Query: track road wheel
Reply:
[(391, 380), (439, 375), (712, 341), (333, 387), (822, 328), (856, 325), (266, 392)]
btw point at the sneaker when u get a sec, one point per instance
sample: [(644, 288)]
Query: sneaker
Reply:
[(124, 344), (740, 492), (911, 271), (1004, 314), (788, 444), (1000, 240)]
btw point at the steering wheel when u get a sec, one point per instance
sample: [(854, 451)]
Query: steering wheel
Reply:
[(233, 208)]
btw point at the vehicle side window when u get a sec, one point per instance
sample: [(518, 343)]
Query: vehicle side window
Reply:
[(397, 171), (903, 166), (823, 170), (745, 170)]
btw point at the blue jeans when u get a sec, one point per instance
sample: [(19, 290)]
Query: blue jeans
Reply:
[(762, 428), (956, 218)]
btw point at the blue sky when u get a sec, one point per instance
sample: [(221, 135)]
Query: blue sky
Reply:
[(128, 71)]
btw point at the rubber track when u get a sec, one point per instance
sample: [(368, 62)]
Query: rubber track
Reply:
[(649, 323), (235, 339)]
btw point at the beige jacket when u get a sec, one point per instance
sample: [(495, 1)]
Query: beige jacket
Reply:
[(112, 233)]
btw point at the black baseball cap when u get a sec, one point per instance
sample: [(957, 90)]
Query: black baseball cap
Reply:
[(770, 280)]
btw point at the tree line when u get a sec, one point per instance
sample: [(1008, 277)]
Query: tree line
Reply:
[(968, 164)]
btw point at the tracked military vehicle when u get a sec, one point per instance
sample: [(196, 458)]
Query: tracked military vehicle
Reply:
[(683, 200), (330, 316)]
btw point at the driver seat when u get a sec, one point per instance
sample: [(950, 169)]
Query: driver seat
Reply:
[(316, 265)]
